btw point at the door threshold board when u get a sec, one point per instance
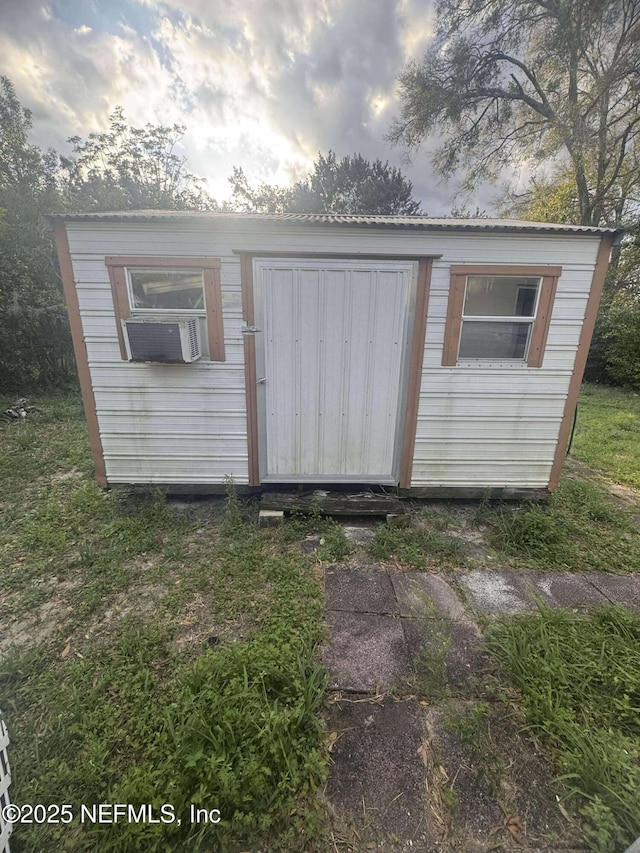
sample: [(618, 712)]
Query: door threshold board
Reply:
[(333, 503)]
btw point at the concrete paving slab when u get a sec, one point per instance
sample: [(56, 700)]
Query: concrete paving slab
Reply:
[(467, 660), (420, 594), (377, 779), (476, 811), (359, 590), (497, 591), (365, 652), (566, 590), (619, 589), (458, 644), (469, 542), (358, 535), (489, 762)]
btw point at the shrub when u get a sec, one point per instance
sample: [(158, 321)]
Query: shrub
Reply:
[(615, 352)]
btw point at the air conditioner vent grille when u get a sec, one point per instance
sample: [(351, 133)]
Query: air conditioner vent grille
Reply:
[(194, 343), (164, 341)]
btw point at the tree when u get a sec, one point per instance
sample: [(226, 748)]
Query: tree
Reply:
[(265, 198), (34, 338), (125, 167), (128, 168), (464, 212), (551, 198), (349, 185), (547, 81), (614, 356)]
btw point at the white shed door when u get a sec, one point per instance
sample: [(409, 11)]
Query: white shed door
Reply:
[(331, 362)]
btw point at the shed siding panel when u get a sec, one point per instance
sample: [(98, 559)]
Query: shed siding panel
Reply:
[(163, 424), (220, 239), (497, 426), (477, 426)]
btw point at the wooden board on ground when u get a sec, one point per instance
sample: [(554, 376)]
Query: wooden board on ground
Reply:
[(333, 503)]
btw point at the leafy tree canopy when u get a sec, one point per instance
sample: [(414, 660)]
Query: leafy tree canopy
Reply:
[(347, 185), (125, 167), (550, 198), (555, 81), (131, 168), (34, 337)]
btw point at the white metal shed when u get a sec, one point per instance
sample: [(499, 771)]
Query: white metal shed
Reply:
[(440, 356)]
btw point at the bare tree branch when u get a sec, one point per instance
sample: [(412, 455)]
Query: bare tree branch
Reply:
[(573, 64)]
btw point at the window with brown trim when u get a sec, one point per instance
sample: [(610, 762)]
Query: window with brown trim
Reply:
[(499, 314), (168, 286)]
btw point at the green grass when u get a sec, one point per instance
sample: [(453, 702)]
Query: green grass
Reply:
[(430, 679), (579, 528), (579, 679), (607, 435), (123, 708), (416, 548), (333, 543), (472, 725)]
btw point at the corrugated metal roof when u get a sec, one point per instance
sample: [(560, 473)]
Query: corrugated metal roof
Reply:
[(425, 223)]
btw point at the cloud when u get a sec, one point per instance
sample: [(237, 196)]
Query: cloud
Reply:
[(262, 85)]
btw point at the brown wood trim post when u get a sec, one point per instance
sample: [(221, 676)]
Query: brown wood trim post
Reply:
[(455, 307), (176, 262), (591, 313), (118, 279), (213, 305), (528, 270), (251, 395), (453, 324), (540, 330), (80, 350), (415, 371)]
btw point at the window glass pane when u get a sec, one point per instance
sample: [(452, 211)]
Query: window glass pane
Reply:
[(167, 289), (482, 339), (500, 296)]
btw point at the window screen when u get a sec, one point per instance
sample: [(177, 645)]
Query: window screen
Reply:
[(498, 316), (166, 290)]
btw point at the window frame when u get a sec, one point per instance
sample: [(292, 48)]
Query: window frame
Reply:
[(119, 268), (459, 273)]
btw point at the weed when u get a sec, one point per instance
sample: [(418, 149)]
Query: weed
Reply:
[(414, 548), (334, 544), (580, 682), (431, 674), (535, 533), (450, 800), (438, 517), (233, 523), (472, 726), (578, 528)]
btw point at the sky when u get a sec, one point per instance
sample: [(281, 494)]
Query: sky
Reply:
[(260, 84)]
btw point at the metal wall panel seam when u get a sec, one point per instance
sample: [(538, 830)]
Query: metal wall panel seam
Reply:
[(371, 334)]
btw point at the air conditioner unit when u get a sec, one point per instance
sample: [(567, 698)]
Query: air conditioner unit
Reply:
[(174, 341)]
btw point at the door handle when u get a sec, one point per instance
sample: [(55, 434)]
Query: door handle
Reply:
[(261, 381)]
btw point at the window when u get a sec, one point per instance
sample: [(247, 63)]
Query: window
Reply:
[(160, 290), (169, 286), (499, 314)]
